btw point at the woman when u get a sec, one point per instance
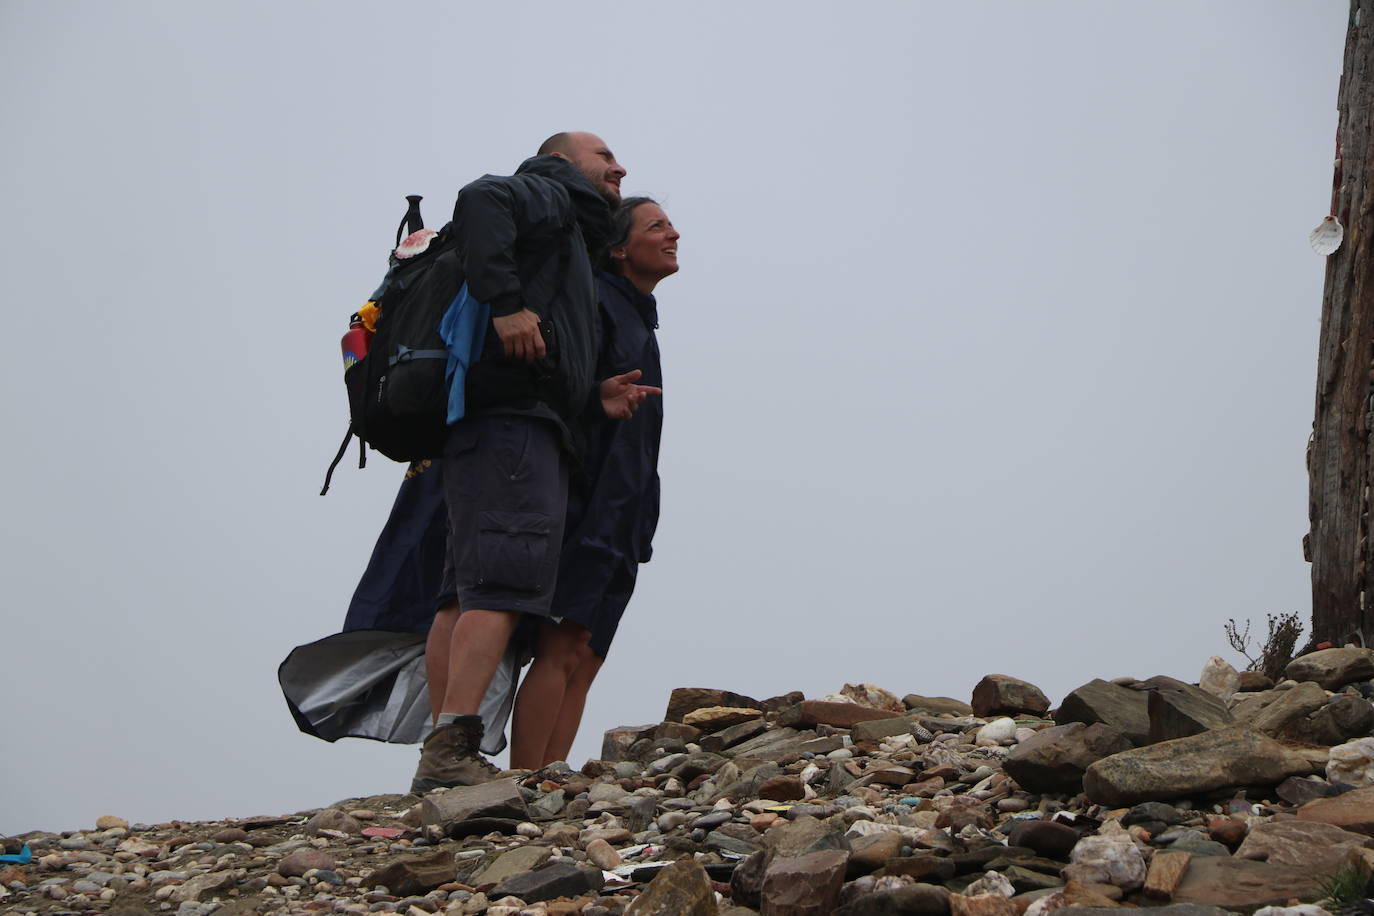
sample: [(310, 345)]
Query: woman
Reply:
[(612, 505)]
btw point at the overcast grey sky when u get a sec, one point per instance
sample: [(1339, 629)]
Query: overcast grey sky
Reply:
[(993, 348)]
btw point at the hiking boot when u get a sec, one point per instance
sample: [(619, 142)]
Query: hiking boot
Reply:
[(452, 756)]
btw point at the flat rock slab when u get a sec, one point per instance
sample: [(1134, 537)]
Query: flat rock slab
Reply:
[(729, 737), (686, 699), (560, 879), (500, 798), (716, 718), (1333, 668), (520, 859), (1353, 811), (1166, 873), (416, 874), (877, 729), (828, 712), (1236, 756), (936, 706), (1243, 885), (771, 744), (1323, 847)]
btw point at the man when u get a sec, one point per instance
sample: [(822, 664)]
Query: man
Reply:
[(524, 242)]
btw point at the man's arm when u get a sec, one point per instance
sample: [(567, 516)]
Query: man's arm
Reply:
[(492, 214)]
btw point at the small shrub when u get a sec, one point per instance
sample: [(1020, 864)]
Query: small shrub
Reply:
[(1277, 651)]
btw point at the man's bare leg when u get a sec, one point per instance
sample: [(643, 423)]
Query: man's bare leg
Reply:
[(476, 644), (452, 754), (538, 704), (436, 657), (570, 713)]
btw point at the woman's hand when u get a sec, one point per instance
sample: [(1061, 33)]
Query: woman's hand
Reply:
[(621, 397)]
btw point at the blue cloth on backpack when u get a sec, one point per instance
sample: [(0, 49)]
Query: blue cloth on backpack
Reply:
[(464, 330)]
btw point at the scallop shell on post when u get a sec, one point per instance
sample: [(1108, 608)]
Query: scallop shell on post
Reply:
[(1327, 237)]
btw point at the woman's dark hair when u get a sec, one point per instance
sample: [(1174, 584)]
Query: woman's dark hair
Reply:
[(622, 218)]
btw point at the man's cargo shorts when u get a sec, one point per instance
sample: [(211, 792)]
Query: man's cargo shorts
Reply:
[(506, 486)]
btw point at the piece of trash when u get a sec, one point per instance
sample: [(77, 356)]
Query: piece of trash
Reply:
[(1327, 237), (24, 857), (386, 833)]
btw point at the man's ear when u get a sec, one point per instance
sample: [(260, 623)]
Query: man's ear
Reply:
[(560, 155), (618, 254)]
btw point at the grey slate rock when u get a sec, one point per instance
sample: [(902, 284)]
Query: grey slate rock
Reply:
[(1177, 710), (717, 840), (771, 744), (1199, 844), (729, 737), (1299, 790), (558, 879), (500, 798), (1122, 708), (1349, 716), (1054, 759)]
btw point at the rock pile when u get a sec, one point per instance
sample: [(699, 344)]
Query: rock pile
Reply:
[(1156, 793)]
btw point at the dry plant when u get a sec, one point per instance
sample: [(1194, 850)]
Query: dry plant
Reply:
[(1277, 650)]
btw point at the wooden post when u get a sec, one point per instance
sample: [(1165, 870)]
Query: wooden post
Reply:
[(1340, 457)]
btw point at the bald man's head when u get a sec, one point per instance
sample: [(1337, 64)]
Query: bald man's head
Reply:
[(593, 159)]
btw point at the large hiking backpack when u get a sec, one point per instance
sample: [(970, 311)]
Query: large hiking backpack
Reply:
[(397, 395)]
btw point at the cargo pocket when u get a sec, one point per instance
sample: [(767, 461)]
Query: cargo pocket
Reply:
[(511, 548)]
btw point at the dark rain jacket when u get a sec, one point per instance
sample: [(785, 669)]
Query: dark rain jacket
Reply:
[(524, 242), (613, 505)]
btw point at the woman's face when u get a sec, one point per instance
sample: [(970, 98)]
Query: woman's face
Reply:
[(651, 250)]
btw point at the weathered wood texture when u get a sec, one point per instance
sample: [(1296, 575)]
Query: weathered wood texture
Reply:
[(1340, 458)]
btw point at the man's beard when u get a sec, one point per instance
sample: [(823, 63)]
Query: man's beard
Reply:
[(604, 189)]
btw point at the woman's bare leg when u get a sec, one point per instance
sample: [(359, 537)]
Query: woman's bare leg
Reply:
[(570, 713), (538, 705)]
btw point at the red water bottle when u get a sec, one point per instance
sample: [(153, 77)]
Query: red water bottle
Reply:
[(355, 342)]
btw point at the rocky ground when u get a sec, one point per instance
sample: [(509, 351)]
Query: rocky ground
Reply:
[(1233, 795)]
